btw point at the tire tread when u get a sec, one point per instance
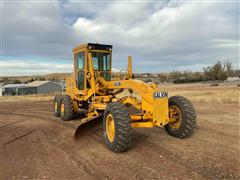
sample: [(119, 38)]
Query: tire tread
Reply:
[(188, 124), (68, 114), (123, 136)]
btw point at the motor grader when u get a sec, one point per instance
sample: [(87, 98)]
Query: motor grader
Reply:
[(93, 88)]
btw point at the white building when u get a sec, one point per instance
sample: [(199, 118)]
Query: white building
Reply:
[(1, 89), (232, 79)]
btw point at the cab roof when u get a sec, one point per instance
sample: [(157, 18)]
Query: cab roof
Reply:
[(93, 46)]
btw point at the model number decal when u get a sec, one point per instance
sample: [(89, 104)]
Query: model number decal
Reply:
[(117, 84), (157, 95)]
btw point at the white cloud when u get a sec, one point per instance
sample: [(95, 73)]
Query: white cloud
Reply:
[(163, 27), (87, 25), (161, 36), (21, 67)]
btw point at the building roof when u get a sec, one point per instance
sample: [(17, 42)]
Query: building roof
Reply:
[(32, 84), (39, 83), (14, 85)]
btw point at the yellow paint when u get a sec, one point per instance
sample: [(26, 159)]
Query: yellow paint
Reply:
[(110, 127), (175, 118), (91, 71), (147, 116), (157, 109), (92, 114), (75, 106), (107, 99), (55, 106), (62, 108), (160, 111), (135, 117), (154, 111), (130, 67), (133, 101), (99, 106), (142, 124)]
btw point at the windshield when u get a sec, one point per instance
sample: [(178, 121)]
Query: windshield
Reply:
[(101, 61)]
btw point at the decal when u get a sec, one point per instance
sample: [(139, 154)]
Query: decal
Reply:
[(158, 95), (117, 84)]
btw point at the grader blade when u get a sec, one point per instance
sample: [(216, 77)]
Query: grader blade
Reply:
[(82, 126), (88, 127)]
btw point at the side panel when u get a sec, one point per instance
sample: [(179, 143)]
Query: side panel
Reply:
[(155, 106), (160, 111), (49, 88)]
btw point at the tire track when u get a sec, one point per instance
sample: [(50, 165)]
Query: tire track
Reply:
[(205, 171), (10, 124), (44, 118), (82, 162), (142, 162), (19, 137)]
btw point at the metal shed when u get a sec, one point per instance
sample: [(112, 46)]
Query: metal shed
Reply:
[(18, 89), (46, 86), (36, 87)]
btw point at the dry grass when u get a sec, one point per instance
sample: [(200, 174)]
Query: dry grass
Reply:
[(211, 96), (198, 93), (206, 94), (35, 97), (203, 93)]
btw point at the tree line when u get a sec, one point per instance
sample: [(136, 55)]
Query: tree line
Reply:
[(6, 80), (217, 72)]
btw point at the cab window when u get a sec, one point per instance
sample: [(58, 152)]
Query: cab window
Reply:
[(101, 61), (80, 70), (80, 80), (80, 60)]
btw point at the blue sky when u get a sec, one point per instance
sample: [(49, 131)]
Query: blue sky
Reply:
[(162, 36)]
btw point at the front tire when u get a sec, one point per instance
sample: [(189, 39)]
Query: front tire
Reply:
[(57, 101), (66, 108), (182, 117), (117, 130)]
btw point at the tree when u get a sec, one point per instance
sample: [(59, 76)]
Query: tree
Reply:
[(17, 81), (229, 68), (41, 79), (197, 76), (162, 78), (219, 71), (31, 80), (5, 80), (176, 76), (187, 76)]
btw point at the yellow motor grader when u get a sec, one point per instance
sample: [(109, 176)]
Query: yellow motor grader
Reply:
[(93, 88)]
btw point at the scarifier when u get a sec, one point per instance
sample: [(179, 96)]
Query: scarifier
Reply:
[(93, 88)]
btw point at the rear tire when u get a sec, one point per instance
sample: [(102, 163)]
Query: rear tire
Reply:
[(56, 105), (188, 118), (123, 134), (66, 108)]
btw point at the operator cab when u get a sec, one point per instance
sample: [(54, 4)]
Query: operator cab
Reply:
[(101, 62)]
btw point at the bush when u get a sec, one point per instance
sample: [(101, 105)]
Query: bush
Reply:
[(214, 84), (16, 81)]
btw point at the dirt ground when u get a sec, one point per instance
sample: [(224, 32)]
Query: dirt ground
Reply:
[(36, 145)]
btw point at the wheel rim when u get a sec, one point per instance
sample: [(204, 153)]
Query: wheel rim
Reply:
[(62, 108), (110, 127), (55, 106), (175, 117)]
